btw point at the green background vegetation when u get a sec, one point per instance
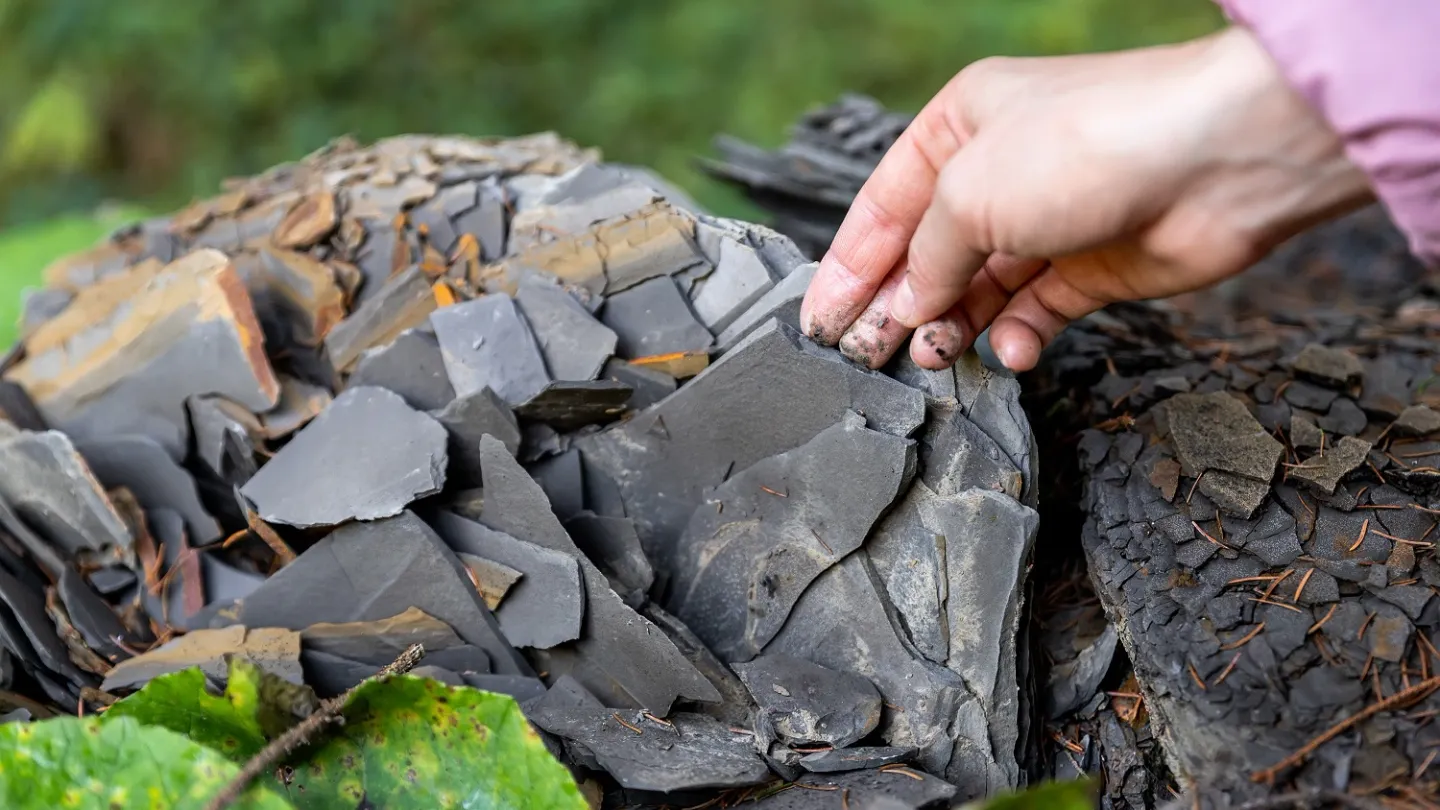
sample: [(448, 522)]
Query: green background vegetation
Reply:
[(155, 101)]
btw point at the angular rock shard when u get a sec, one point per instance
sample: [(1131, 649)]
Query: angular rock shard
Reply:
[(1219, 442), (566, 405), (48, 484), (1324, 470), (1336, 368), (766, 533), (365, 572), (386, 311), (620, 656), (900, 789), (838, 760), (686, 752), (18, 409), (654, 318), (739, 280), (470, 418), (226, 436), (142, 466), (128, 353), (613, 545), (274, 650), (367, 457), (546, 606), (664, 458), (486, 343), (805, 703), (411, 366), (782, 302), (647, 385), (574, 344)]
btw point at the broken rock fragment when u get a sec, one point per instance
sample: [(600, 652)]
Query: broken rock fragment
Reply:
[(366, 457), (274, 650), (620, 656), (1335, 368), (805, 703), (48, 484), (1416, 420), (567, 405), (889, 789), (653, 318), (142, 466), (743, 562), (1219, 442), (410, 366), (133, 351), (403, 302), (855, 759), (1324, 470), (546, 605), (486, 343), (739, 280), (684, 752), (369, 571), (575, 345), (468, 419)]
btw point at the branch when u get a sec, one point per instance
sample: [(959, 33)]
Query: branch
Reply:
[(302, 733)]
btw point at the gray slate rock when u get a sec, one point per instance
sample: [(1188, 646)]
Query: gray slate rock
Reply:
[(1077, 681), (693, 752), (46, 481), (574, 344), (547, 605), (562, 477), (226, 436), (781, 302), (653, 318), (519, 687), (142, 466), (469, 418), (486, 343), (372, 571), (839, 760), (1215, 435), (368, 456), (766, 533), (1416, 420), (1335, 368), (570, 405), (866, 790), (614, 546), (739, 280), (620, 656), (805, 703), (662, 459), (411, 366), (909, 558), (648, 386)]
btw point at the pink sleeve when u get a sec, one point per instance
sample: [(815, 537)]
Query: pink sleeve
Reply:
[(1372, 69)]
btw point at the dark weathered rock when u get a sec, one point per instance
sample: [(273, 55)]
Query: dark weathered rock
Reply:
[(226, 436), (399, 303), (368, 571), (574, 344), (547, 605), (739, 280), (48, 484), (300, 402), (1219, 442), (125, 356), (1336, 368), (18, 409), (562, 477), (410, 366), (1076, 681), (855, 759), (469, 418), (619, 656), (1311, 397), (516, 686), (567, 405), (1324, 470), (771, 529), (782, 302), (1304, 434), (142, 466), (663, 458), (653, 318), (647, 385), (805, 703), (889, 789), (28, 632), (486, 343), (614, 546), (1345, 418), (686, 752), (367, 457), (1416, 420)]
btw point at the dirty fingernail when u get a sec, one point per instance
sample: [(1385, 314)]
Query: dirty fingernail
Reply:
[(902, 306), (1009, 354)]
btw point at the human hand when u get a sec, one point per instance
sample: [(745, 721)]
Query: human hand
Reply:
[(1031, 192)]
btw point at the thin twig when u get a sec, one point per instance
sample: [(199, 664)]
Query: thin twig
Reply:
[(263, 531), (1240, 642), (1364, 530), (300, 734), (1401, 699)]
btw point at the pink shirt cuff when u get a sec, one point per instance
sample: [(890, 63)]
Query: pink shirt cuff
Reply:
[(1372, 69)]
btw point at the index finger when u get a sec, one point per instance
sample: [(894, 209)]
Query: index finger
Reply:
[(876, 231)]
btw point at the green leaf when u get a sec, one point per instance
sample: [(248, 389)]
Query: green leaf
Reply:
[(236, 724), (55, 131), (86, 763), (1078, 794), (411, 742)]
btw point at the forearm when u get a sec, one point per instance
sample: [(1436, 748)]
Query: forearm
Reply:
[(1372, 69)]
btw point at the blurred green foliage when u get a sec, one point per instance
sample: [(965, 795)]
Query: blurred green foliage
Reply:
[(157, 100)]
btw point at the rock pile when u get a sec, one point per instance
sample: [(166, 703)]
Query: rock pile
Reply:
[(546, 417)]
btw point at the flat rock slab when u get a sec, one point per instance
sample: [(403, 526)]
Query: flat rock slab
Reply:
[(1328, 366), (574, 343), (142, 466), (781, 302), (805, 703), (739, 280), (402, 302), (1215, 434), (1324, 470), (48, 484), (686, 752), (663, 459), (371, 571), (492, 579), (566, 405), (546, 606), (470, 418), (226, 437), (620, 656), (766, 533), (487, 343), (614, 546), (125, 356), (366, 457), (838, 760), (274, 650), (653, 318), (411, 366)]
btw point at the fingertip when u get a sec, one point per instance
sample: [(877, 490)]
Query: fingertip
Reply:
[(1016, 344), (937, 345)]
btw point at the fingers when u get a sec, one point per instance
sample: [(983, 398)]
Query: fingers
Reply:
[(877, 229), (939, 343), (874, 336), (1037, 313)]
